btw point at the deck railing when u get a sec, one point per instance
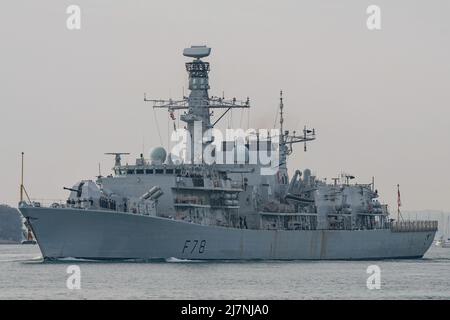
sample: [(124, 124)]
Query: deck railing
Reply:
[(411, 226), (47, 202)]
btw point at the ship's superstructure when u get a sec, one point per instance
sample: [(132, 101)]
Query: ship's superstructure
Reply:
[(220, 200)]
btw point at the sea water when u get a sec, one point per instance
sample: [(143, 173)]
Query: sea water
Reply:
[(23, 275)]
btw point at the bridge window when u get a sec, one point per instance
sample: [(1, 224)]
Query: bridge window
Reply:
[(159, 171), (169, 171), (139, 171), (149, 171), (198, 182), (130, 171)]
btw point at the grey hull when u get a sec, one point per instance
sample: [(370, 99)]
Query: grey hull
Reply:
[(110, 235)]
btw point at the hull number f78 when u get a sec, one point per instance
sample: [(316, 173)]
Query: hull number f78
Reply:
[(194, 246)]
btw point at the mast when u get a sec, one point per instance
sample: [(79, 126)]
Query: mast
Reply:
[(198, 104), (287, 139), (399, 203), (21, 181), (281, 117), (23, 191)]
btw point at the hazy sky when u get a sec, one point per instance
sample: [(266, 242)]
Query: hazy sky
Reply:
[(379, 100)]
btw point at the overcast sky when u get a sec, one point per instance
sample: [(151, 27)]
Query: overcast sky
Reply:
[(379, 100)]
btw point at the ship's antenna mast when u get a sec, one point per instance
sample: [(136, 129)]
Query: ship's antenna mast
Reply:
[(281, 117), (287, 139), (198, 106), (21, 182), (399, 203), (22, 187), (99, 171)]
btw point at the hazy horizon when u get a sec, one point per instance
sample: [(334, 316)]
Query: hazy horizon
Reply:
[(379, 100)]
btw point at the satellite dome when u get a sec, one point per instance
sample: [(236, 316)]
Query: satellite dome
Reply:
[(158, 155)]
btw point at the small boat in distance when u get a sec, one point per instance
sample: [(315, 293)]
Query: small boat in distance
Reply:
[(443, 243), (444, 240)]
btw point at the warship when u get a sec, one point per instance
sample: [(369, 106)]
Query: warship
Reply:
[(221, 199)]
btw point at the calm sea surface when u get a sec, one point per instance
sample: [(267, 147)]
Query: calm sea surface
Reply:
[(24, 276)]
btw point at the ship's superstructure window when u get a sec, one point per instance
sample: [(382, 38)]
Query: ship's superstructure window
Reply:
[(149, 171), (159, 171), (130, 171), (177, 171), (169, 171), (139, 171), (198, 182)]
